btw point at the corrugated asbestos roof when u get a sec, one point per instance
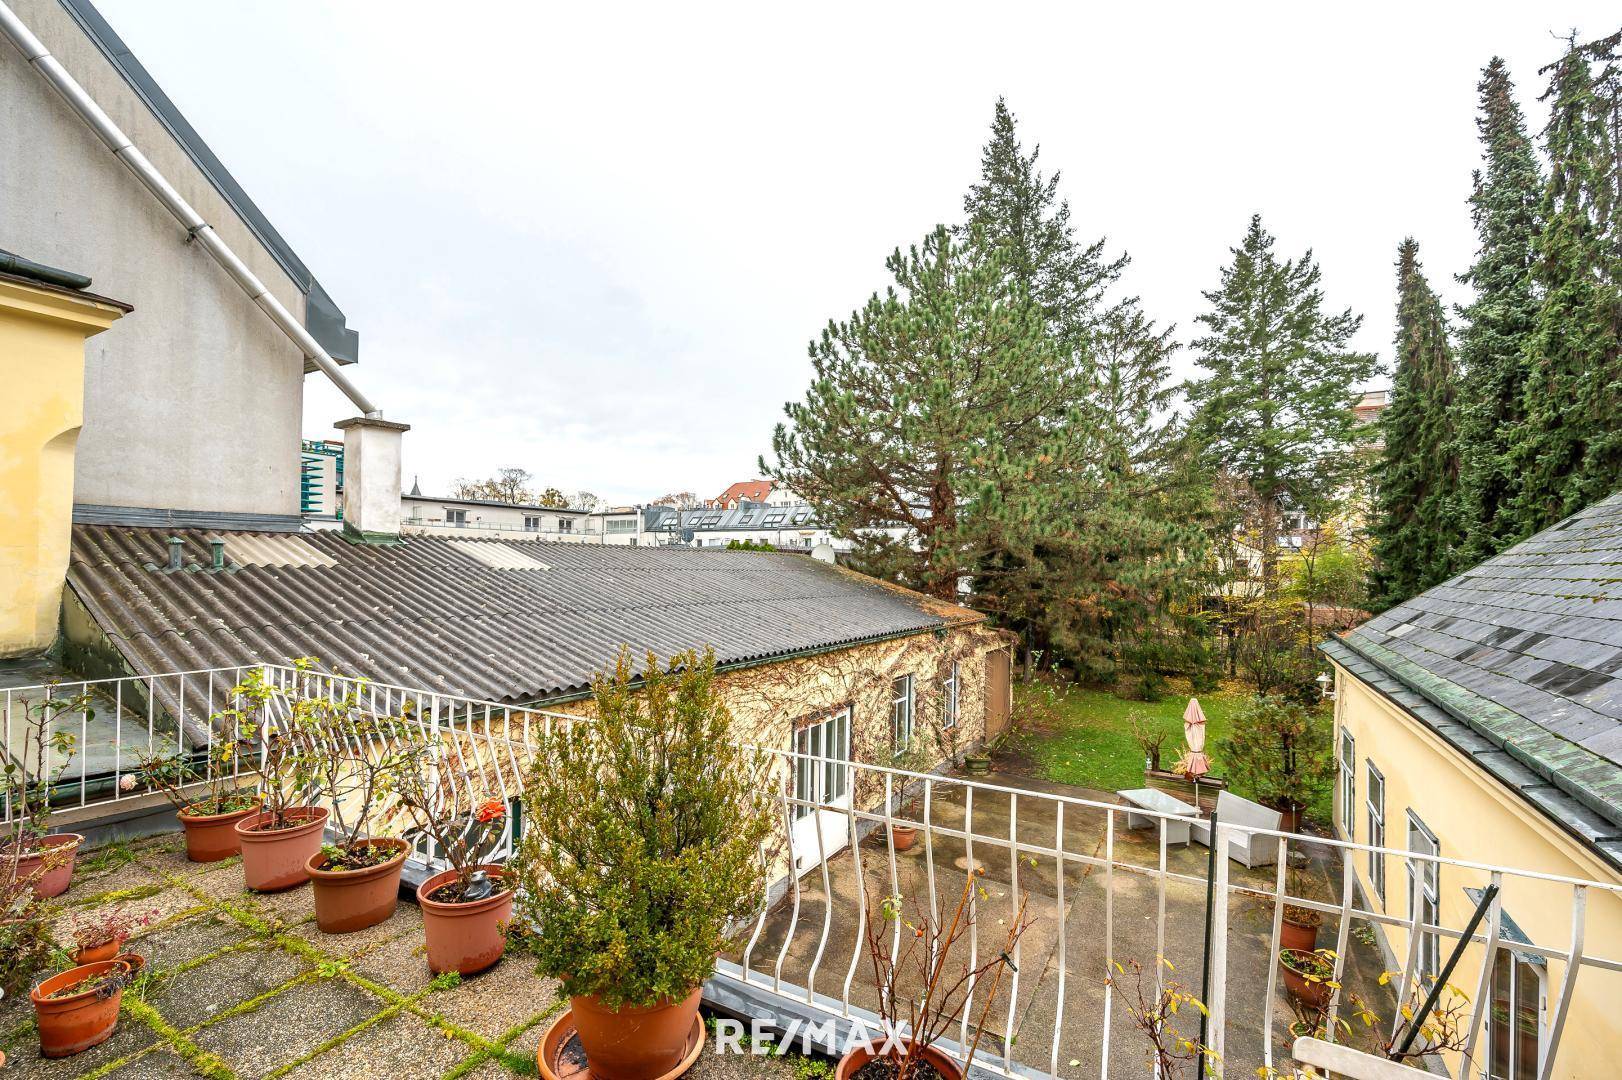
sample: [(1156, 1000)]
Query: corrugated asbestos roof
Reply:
[(1525, 650), (426, 613)]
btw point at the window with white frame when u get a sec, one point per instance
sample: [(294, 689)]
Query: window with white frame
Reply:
[(532, 523), (565, 524), (1515, 1016), (901, 704), (821, 772), (1424, 893), (455, 517), (1376, 828), (1348, 784), (949, 698)]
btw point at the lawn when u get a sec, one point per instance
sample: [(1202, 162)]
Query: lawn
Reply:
[(1090, 743), (1093, 745)]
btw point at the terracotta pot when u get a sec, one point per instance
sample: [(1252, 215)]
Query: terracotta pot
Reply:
[(904, 836), (1298, 935), (631, 1043), (53, 861), (350, 900), (212, 837), (466, 938), (1289, 816), (95, 954), (1314, 994), (858, 1056), (274, 859), (71, 1025)]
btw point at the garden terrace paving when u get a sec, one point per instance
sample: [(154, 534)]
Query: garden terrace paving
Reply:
[(244, 985), (1084, 920)]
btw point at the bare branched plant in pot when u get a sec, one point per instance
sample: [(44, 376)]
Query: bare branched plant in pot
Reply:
[(357, 766), (655, 818), (278, 840), (925, 983), (32, 858), (210, 795), (448, 800)]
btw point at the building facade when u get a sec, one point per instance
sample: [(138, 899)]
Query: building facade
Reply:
[(196, 356), (1481, 721)]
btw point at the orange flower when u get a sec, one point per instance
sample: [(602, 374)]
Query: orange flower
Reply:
[(491, 809)]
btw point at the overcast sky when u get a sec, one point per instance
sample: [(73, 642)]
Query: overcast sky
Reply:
[(592, 240)]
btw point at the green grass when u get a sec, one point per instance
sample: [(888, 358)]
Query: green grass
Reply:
[(1093, 747)]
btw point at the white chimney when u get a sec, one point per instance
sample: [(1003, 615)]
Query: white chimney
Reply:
[(372, 479)]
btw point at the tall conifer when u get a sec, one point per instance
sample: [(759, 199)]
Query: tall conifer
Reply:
[(1567, 453), (1415, 528), (1496, 327)]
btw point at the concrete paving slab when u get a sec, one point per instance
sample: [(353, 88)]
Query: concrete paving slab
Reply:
[(196, 996), (161, 1064), (401, 1046), (495, 1001), (405, 922), (167, 947), (288, 1026)]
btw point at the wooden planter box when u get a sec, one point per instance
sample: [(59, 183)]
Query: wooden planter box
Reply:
[(1174, 783)]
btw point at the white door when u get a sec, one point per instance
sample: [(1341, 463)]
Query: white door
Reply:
[(821, 790)]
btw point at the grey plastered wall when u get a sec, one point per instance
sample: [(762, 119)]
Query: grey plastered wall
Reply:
[(194, 401)]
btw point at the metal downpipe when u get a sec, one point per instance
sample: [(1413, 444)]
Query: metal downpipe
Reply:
[(119, 143)]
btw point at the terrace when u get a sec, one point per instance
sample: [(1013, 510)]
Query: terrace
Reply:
[(244, 984)]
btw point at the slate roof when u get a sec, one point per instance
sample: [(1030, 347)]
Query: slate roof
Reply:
[(1518, 661), (494, 619)]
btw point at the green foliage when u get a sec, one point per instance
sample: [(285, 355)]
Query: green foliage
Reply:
[(655, 817), (1416, 527), (211, 785), (1569, 451), (1496, 326), (1273, 407), (750, 545), (1279, 751)]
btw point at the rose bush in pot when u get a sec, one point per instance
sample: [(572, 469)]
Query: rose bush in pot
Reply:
[(31, 856), (357, 766), (465, 909), (208, 791), (655, 818), (278, 840)]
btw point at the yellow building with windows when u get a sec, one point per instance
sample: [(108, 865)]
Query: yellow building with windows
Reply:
[(1481, 722)]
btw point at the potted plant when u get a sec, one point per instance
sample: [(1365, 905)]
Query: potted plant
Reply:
[(466, 909), (356, 877), (29, 852), (923, 987), (1299, 928), (209, 797), (1309, 975), (101, 934), (655, 819), (278, 841), (78, 1008)]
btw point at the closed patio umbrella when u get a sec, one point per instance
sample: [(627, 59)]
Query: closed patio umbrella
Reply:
[(1194, 763)]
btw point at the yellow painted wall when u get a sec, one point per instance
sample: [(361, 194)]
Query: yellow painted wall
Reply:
[(42, 334), (1478, 819)]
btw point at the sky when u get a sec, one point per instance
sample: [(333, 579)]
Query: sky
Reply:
[(593, 240)]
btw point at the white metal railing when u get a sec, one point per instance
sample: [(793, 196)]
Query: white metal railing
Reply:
[(1101, 892)]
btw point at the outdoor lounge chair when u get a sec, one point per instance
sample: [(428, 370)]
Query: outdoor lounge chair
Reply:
[(1244, 847)]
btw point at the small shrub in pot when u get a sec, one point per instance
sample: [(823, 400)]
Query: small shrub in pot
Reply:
[(654, 820), (31, 857), (209, 795)]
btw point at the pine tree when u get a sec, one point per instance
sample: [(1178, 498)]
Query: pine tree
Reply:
[(1416, 531), (1273, 410), (941, 404), (1496, 327), (1567, 452)]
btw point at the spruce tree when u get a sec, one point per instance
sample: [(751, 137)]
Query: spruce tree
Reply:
[(1273, 410), (1415, 529), (1568, 453), (1496, 327)]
